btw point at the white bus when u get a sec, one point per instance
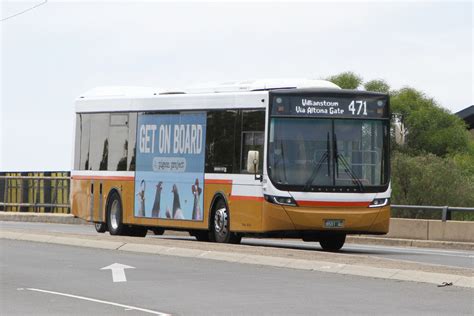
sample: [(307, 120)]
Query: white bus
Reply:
[(266, 158)]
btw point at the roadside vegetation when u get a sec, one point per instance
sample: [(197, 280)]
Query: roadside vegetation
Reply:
[(435, 165)]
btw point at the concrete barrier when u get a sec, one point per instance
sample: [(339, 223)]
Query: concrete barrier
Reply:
[(451, 231), (408, 228), (424, 229), (41, 217)]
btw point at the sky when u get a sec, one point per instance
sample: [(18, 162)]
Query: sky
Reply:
[(54, 53)]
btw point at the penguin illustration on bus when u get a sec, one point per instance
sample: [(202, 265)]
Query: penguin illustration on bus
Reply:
[(141, 196), (196, 190)]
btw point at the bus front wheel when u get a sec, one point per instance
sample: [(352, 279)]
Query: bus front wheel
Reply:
[(115, 215), (333, 242), (221, 225)]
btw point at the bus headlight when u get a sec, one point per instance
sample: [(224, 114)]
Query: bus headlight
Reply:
[(281, 200), (380, 202)]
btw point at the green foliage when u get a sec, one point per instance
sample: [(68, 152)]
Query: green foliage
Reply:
[(436, 131), (431, 180), (431, 128), (466, 160), (346, 80), (378, 85), (407, 100)]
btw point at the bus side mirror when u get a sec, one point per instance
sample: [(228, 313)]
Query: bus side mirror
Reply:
[(252, 161)]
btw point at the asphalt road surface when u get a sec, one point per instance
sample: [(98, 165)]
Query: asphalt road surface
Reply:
[(48, 279), (455, 258)]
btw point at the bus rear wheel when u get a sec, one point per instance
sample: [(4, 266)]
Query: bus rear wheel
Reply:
[(221, 225), (333, 242), (100, 227), (115, 215)]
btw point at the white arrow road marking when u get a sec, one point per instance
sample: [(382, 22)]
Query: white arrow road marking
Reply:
[(118, 271), (98, 301)]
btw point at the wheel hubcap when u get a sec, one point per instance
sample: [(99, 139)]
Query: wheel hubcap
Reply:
[(221, 222), (114, 211)]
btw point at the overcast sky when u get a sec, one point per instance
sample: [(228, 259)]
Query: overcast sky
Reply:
[(55, 52)]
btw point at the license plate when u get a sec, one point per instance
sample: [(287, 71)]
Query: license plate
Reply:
[(333, 223)]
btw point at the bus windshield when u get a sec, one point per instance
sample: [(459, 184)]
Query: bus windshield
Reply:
[(308, 154)]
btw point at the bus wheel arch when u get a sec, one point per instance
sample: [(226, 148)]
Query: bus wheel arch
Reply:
[(219, 221)]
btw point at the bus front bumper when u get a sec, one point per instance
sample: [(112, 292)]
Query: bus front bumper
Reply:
[(354, 220)]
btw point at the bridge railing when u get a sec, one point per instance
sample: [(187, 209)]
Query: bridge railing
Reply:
[(446, 211), (41, 192)]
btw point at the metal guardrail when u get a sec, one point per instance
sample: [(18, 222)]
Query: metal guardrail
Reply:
[(445, 210), (35, 192)]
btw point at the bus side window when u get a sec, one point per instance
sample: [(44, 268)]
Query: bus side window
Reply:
[(252, 141), (221, 132), (99, 142), (118, 142), (252, 136), (85, 132)]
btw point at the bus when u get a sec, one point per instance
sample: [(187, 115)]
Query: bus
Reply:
[(265, 158)]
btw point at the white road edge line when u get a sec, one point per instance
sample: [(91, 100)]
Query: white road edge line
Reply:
[(99, 301)]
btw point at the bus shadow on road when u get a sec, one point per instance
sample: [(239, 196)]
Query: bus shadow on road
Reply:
[(291, 246)]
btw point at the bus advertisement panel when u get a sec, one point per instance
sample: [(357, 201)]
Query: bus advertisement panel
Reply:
[(169, 177)]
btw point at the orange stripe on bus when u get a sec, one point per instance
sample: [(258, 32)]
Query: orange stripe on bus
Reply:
[(245, 198), (330, 203), (217, 181), (117, 178)]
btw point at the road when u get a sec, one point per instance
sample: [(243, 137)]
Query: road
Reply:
[(36, 276), (457, 258)]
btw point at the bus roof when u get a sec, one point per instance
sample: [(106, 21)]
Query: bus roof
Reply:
[(242, 94)]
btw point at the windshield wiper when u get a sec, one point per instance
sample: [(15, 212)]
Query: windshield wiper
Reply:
[(347, 168), (318, 166)]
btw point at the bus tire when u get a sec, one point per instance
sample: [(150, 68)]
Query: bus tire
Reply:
[(158, 231), (115, 215), (100, 227), (137, 231), (221, 224), (333, 242), (200, 235)]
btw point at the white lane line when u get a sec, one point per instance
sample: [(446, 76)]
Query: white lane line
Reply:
[(128, 307)]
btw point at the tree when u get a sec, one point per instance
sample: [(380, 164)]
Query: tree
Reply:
[(378, 85), (346, 80), (431, 128)]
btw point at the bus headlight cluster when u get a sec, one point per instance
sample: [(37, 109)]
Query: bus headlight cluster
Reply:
[(281, 200), (380, 202)]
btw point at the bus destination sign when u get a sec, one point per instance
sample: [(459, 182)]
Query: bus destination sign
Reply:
[(321, 106)]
